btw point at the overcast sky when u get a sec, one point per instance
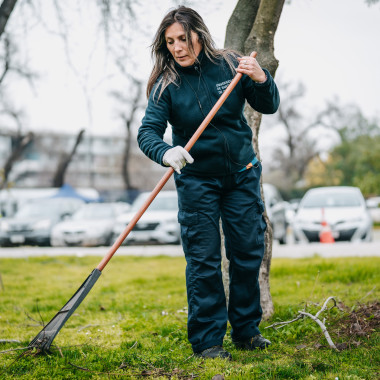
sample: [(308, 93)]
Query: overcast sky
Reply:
[(331, 46)]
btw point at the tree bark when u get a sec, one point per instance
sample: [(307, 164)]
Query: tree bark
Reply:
[(6, 9), (252, 27), (261, 37), (240, 24)]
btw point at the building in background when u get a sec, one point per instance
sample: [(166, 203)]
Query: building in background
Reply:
[(96, 164)]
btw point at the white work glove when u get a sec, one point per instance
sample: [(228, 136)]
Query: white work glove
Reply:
[(176, 158)]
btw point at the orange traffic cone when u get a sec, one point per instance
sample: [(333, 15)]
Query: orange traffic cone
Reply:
[(325, 235)]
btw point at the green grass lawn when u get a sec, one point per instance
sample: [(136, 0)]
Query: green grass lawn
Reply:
[(133, 322)]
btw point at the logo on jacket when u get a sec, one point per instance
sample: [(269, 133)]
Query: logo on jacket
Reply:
[(220, 87)]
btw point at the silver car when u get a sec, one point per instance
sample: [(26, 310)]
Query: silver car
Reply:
[(342, 207), (33, 222), (158, 225), (90, 226)]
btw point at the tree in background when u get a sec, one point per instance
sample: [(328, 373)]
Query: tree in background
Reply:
[(64, 162), (6, 10), (355, 159), (252, 27), (122, 29), (133, 103), (358, 162), (12, 68), (297, 142), (60, 22)]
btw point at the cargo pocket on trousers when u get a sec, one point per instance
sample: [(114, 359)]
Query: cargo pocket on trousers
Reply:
[(259, 208), (188, 221), (261, 225)]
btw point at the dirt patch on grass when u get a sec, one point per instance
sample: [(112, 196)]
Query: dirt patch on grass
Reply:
[(358, 324)]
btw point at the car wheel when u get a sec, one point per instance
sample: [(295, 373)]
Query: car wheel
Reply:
[(283, 240), (109, 240)]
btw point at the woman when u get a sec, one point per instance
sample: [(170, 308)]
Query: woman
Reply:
[(223, 180)]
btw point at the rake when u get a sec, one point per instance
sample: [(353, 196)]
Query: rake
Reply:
[(45, 337)]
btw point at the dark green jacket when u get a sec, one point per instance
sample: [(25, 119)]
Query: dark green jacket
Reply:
[(225, 146)]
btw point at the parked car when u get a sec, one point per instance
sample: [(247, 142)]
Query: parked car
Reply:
[(14, 198), (33, 222), (373, 205), (158, 225), (90, 226), (291, 210), (342, 207), (276, 209)]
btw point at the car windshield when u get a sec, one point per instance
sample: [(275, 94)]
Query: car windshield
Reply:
[(342, 199), (94, 212), (38, 210), (159, 203)]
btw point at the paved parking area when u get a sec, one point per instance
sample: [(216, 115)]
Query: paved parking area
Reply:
[(288, 250)]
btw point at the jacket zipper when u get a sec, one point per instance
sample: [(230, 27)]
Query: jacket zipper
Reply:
[(227, 165)]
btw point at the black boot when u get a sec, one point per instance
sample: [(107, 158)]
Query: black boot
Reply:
[(214, 352), (258, 341)]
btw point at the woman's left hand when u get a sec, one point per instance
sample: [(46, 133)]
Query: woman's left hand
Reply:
[(250, 67)]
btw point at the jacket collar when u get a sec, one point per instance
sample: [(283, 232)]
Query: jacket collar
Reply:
[(199, 62)]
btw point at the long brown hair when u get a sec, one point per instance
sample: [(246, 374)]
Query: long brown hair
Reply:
[(163, 60)]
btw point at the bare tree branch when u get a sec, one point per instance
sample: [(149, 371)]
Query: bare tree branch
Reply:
[(10, 63), (315, 318), (23, 142), (59, 177), (128, 119), (6, 58), (6, 10)]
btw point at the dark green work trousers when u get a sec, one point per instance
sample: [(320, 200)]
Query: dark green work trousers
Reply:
[(237, 201)]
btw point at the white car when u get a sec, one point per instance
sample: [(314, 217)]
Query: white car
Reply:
[(373, 205), (90, 226), (342, 207), (158, 225)]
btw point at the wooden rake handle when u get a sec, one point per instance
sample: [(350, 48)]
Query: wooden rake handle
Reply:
[(169, 172)]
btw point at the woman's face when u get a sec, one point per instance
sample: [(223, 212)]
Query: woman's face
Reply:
[(176, 43)]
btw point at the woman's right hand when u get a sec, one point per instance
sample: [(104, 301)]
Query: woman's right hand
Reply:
[(177, 158)]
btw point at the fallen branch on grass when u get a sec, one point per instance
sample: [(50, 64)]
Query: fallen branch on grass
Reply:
[(15, 349), (315, 318)]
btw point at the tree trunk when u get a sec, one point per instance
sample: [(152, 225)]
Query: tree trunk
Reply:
[(240, 24), (127, 149), (6, 9), (20, 146), (59, 177), (128, 120), (252, 27)]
